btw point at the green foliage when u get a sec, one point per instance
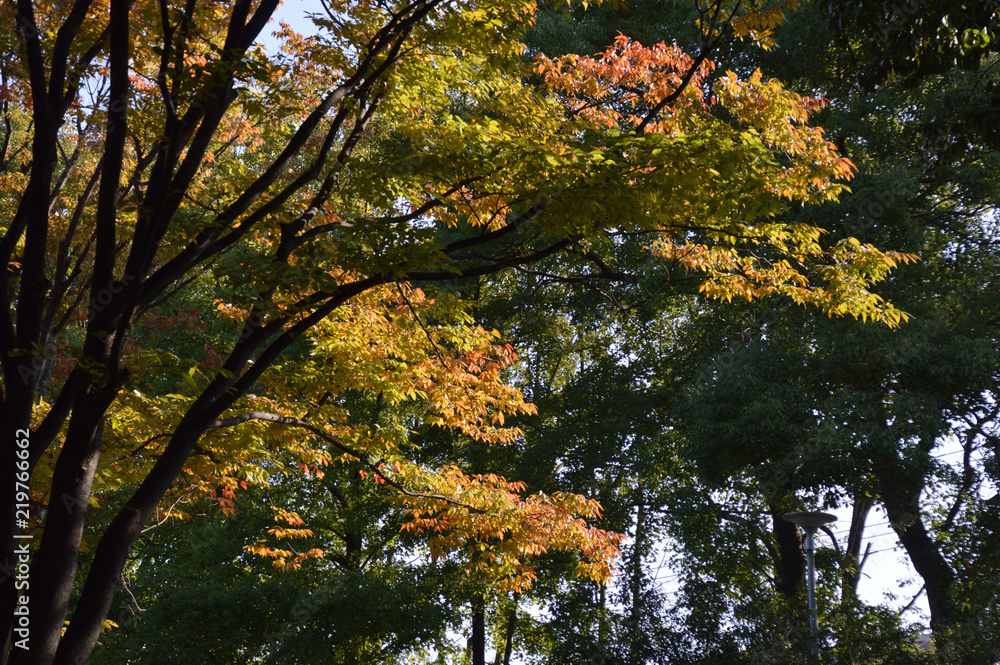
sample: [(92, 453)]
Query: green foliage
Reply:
[(769, 409), (365, 602)]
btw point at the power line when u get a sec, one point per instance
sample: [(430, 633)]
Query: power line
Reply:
[(674, 577)]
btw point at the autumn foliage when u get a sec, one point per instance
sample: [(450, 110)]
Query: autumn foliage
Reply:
[(205, 246), (663, 93), (500, 529)]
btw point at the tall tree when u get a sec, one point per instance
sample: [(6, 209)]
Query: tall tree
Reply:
[(779, 410), (850, 416)]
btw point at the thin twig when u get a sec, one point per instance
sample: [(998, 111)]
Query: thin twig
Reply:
[(910, 604)]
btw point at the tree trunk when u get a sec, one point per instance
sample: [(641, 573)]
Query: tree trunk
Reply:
[(849, 581), (902, 509), (789, 557), (477, 644), (602, 618), (511, 628), (636, 585)]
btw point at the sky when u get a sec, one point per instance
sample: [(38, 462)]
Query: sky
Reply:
[(294, 13)]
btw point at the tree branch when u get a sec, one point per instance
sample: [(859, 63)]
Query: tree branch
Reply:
[(360, 456)]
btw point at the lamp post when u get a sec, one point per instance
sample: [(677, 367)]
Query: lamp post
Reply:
[(810, 521)]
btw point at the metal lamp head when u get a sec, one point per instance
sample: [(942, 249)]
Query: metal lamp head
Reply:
[(809, 520)]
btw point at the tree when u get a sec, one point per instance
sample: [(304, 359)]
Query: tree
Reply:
[(809, 410), (880, 410), (367, 600), (781, 410), (148, 154)]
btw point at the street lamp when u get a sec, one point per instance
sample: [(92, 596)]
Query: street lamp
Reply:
[(810, 521)]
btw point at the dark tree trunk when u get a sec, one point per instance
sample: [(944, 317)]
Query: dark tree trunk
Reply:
[(84, 399), (849, 582), (602, 619), (477, 643), (503, 658), (508, 642), (636, 584), (902, 508), (788, 556)]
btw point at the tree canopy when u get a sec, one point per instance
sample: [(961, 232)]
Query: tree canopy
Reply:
[(218, 262), (699, 424)]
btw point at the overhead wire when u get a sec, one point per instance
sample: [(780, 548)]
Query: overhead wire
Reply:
[(671, 576)]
